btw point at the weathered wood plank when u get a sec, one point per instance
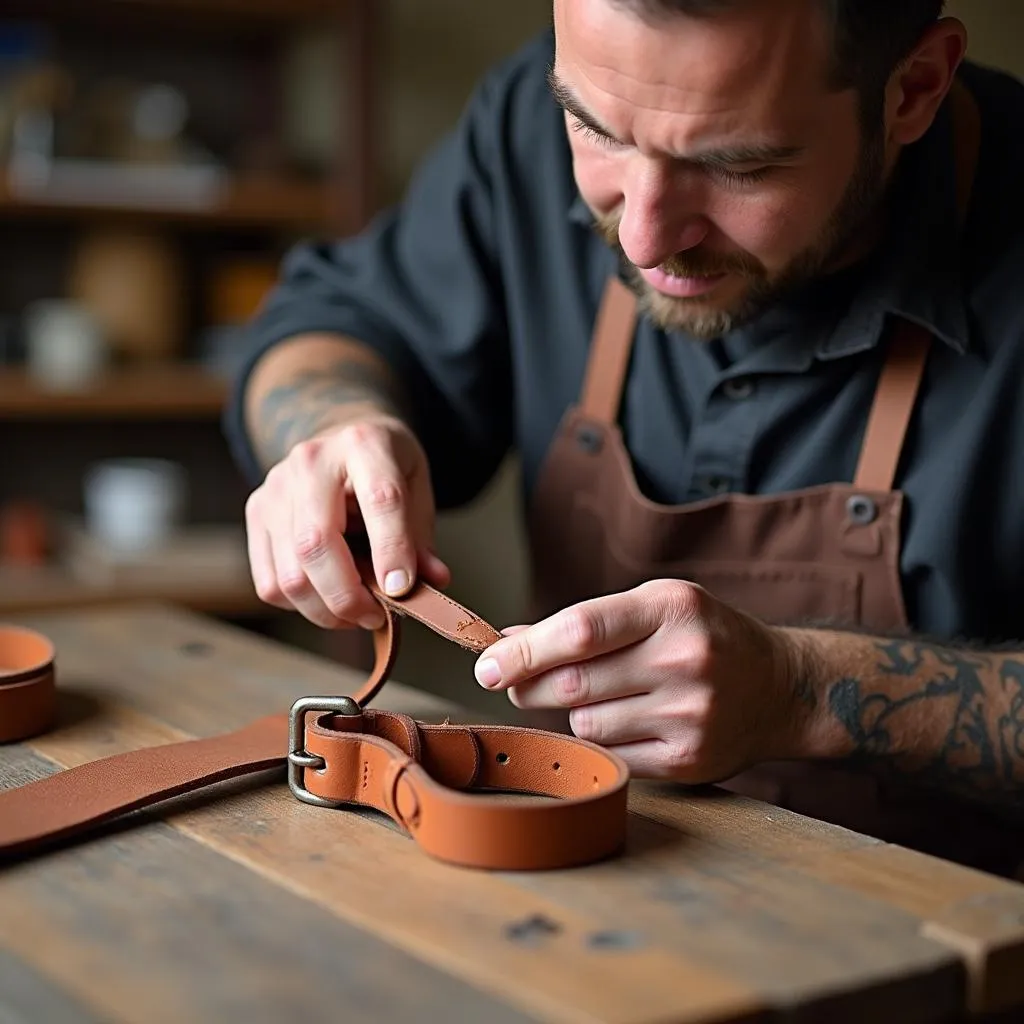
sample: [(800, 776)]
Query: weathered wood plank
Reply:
[(467, 924), (147, 927), (26, 997), (821, 953), (977, 914), (706, 935)]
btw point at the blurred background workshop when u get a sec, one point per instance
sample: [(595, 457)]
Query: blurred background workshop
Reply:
[(157, 158)]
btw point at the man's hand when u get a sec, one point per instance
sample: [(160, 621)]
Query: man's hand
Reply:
[(680, 685), (373, 470)]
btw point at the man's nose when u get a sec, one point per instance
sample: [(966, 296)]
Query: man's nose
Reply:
[(659, 218)]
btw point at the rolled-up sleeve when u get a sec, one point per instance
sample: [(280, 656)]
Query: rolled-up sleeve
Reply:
[(422, 287)]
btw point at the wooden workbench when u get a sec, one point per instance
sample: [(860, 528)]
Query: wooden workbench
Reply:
[(244, 904)]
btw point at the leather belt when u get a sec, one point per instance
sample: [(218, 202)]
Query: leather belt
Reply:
[(337, 752)]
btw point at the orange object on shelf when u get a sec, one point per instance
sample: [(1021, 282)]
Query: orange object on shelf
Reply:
[(238, 287), (24, 534)]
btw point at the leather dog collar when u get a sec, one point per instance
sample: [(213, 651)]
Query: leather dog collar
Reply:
[(339, 752)]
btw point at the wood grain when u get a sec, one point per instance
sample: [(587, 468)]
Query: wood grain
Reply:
[(977, 914), (470, 925), (26, 997), (690, 925), (149, 926)]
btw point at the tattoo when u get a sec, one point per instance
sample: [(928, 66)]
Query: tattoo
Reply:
[(944, 718), (293, 412), (806, 692)]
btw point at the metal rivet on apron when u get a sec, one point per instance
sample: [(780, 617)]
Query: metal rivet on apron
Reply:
[(589, 439), (862, 510), (738, 388)]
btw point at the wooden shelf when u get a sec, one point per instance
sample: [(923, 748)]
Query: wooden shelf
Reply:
[(203, 567), (24, 591), (264, 204), (186, 14), (174, 390)]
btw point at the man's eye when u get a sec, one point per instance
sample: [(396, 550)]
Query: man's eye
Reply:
[(589, 134), (732, 177)]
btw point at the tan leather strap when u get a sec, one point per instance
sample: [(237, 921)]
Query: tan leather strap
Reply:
[(412, 771), (609, 354), (903, 372)]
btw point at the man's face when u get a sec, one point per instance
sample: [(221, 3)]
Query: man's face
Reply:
[(714, 156)]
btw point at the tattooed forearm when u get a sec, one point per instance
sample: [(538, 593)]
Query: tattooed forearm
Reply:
[(311, 401), (946, 718)]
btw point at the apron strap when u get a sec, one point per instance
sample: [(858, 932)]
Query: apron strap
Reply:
[(609, 353), (894, 402), (908, 349)]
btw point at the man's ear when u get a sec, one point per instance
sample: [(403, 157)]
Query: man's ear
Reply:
[(920, 84)]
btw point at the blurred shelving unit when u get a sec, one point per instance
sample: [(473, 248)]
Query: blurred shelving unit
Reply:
[(246, 72)]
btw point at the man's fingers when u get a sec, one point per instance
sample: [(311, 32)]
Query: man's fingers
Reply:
[(581, 684), (317, 500), (371, 475), (261, 559), (576, 634), (678, 760), (611, 723), (421, 519), (291, 575), (381, 492), (433, 570)]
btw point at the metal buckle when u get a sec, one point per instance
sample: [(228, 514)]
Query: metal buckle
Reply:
[(297, 756)]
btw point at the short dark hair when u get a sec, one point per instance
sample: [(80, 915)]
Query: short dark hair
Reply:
[(871, 38)]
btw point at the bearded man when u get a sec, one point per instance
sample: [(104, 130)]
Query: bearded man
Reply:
[(739, 281)]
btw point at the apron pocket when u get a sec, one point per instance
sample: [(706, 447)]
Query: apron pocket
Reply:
[(780, 592)]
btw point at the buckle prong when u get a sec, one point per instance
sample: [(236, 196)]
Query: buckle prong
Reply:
[(298, 757)]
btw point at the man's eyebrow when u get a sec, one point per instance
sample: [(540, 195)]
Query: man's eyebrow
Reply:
[(718, 156), (566, 98)]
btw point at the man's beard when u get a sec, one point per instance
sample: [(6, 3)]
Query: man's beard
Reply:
[(850, 217)]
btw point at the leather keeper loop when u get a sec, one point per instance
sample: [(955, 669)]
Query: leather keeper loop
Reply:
[(392, 778)]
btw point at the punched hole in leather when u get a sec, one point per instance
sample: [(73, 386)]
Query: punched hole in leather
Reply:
[(444, 784)]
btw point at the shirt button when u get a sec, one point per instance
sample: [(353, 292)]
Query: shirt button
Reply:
[(738, 388), (862, 510), (715, 484)]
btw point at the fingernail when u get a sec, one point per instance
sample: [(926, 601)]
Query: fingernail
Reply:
[(396, 581), (488, 673), (372, 622)]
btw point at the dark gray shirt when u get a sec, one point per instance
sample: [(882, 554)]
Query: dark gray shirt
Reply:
[(483, 285)]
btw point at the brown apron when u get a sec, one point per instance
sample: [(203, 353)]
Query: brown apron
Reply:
[(822, 554)]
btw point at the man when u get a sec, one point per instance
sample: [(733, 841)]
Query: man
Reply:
[(739, 279)]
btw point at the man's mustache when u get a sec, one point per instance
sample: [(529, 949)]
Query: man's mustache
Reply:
[(692, 263)]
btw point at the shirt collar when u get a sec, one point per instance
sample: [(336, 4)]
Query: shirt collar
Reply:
[(579, 212), (915, 273)]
